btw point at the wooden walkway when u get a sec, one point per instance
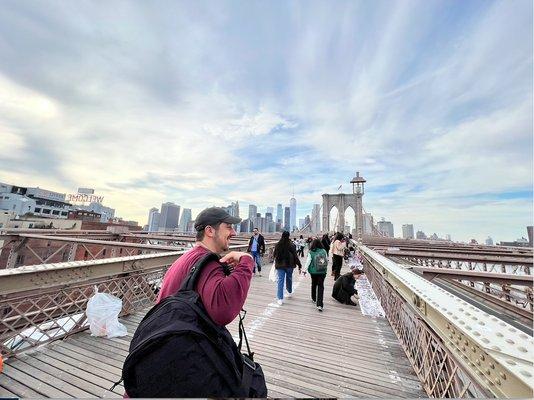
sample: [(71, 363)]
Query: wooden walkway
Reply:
[(304, 353)]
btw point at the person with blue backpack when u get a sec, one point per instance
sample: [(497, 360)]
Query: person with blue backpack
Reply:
[(317, 266)]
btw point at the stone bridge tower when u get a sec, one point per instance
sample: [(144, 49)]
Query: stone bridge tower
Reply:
[(342, 202)]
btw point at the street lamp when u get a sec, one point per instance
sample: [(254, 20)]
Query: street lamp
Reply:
[(357, 184)]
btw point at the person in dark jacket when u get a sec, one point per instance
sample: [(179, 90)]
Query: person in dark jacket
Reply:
[(344, 287), (256, 247), (286, 259), (317, 273), (326, 242)]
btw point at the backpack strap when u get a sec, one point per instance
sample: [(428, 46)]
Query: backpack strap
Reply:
[(249, 366), (192, 278)]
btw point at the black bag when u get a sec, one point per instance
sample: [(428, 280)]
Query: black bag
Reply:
[(178, 351)]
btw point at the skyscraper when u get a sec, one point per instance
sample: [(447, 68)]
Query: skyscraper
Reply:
[(170, 214), (407, 231), (420, 235), (185, 220), (286, 218), (279, 213), (316, 219), (367, 224), (252, 211), (153, 220), (386, 227), (292, 214), (233, 209)]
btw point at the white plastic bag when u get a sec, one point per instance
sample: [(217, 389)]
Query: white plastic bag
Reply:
[(103, 315), (273, 276)]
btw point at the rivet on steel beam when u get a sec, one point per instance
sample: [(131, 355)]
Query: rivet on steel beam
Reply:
[(510, 341), (522, 349), (498, 382), (492, 366), (478, 362), (488, 372), (503, 375), (499, 334), (482, 357), (474, 349)]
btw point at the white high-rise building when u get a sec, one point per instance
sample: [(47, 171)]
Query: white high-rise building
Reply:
[(185, 220), (292, 214), (153, 220), (270, 210), (407, 231), (316, 219)]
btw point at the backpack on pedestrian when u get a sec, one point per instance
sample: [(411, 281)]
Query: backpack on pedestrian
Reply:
[(319, 262), (178, 351)]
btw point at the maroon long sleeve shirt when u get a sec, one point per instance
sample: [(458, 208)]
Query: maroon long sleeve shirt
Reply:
[(223, 296)]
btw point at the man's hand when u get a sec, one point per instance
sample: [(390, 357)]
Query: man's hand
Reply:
[(233, 257)]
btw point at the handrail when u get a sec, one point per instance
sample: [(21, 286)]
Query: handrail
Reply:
[(46, 302), (493, 355)]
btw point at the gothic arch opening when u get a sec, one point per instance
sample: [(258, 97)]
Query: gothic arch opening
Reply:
[(334, 216), (350, 215)]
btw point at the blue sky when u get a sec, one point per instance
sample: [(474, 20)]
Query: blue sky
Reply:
[(204, 103)]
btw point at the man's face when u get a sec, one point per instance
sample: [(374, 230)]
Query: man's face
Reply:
[(222, 236), (255, 232)]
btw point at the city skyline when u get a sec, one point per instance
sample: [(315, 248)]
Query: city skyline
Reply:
[(205, 103)]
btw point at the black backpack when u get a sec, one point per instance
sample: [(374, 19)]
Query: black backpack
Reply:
[(178, 351)]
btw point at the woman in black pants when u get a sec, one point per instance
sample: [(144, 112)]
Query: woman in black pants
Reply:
[(338, 251), (317, 266)]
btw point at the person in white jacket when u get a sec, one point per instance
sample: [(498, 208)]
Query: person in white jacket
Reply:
[(338, 251)]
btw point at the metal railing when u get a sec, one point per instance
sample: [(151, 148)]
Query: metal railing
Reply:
[(455, 349), (43, 303)]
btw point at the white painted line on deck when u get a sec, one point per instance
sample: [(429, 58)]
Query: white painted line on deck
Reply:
[(261, 319)]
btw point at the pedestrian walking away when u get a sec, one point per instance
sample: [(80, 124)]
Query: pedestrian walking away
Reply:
[(286, 259), (256, 247), (300, 246), (344, 290), (326, 243), (317, 266), (338, 252), (182, 347)]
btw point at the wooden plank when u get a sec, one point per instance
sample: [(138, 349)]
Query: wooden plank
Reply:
[(93, 362), (71, 383), (96, 376), (4, 393), (33, 382), (19, 389)]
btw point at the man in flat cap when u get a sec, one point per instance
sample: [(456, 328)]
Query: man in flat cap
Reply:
[(223, 295)]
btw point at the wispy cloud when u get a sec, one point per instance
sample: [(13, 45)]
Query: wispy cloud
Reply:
[(204, 103)]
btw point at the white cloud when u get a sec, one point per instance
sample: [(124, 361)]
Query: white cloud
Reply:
[(202, 105)]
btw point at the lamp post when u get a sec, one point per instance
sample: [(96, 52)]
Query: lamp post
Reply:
[(358, 190)]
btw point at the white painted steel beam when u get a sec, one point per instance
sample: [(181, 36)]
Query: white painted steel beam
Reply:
[(499, 356)]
